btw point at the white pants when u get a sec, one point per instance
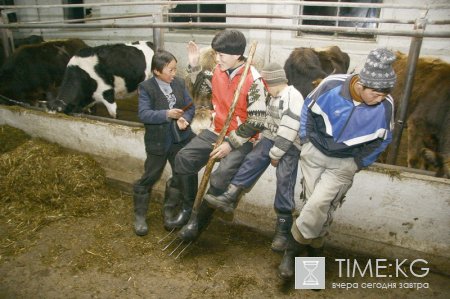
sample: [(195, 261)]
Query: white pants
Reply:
[(326, 181)]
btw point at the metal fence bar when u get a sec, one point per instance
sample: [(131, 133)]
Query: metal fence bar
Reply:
[(236, 2), (413, 57), (115, 17), (188, 25), (306, 17), (256, 16)]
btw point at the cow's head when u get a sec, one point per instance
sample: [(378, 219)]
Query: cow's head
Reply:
[(75, 92), (302, 69)]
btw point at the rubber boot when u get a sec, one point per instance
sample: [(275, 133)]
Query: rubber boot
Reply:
[(141, 201), (198, 222), (282, 232), (315, 252), (286, 269), (227, 201), (172, 199), (189, 185)]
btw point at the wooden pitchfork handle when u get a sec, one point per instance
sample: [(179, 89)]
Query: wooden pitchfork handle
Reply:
[(209, 166)]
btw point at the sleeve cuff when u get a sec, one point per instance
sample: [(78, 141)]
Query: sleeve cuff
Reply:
[(235, 140)]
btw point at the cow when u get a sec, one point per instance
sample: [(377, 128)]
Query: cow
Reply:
[(32, 39), (29, 40), (306, 67), (428, 114), (34, 72), (103, 74), (199, 88)]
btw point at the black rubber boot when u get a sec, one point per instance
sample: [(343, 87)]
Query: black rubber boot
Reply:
[(189, 185), (198, 222), (282, 232), (286, 269), (315, 252), (227, 201), (172, 200), (141, 201)]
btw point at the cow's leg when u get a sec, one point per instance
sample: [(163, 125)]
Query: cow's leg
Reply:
[(416, 131)]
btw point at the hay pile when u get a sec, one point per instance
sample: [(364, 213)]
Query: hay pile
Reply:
[(10, 138), (41, 182)]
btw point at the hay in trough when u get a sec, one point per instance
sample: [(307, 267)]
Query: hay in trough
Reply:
[(10, 138), (41, 182)]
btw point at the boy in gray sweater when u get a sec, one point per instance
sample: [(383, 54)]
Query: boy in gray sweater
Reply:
[(279, 146)]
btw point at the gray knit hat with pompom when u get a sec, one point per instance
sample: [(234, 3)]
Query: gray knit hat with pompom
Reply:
[(378, 72)]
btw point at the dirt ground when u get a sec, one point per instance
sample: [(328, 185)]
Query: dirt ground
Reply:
[(100, 257), (81, 245)]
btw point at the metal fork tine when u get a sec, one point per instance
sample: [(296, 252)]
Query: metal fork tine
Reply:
[(170, 243), (166, 236), (176, 247), (185, 247)]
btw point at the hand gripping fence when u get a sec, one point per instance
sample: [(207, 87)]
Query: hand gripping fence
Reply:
[(210, 164)]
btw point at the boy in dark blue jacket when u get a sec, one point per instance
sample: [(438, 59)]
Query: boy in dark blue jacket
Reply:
[(166, 110)]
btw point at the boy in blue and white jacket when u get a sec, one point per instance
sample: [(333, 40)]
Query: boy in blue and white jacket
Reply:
[(346, 123)]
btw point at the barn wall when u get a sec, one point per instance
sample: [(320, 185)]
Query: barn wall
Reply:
[(273, 45), (388, 213)]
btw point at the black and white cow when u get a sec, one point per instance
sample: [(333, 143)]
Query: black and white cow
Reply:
[(103, 74)]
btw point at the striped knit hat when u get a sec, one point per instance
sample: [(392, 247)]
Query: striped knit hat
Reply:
[(378, 72), (273, 74)]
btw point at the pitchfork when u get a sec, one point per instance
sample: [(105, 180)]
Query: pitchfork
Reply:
[(176, 242)]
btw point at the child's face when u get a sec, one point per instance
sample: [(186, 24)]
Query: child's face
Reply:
[(369, 95), (372, 97), (227, 61), (168, 72)]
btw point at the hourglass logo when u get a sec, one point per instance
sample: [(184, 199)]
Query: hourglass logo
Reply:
[(310, 273)]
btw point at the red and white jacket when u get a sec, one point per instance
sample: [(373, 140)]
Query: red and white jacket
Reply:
[(249, 115)]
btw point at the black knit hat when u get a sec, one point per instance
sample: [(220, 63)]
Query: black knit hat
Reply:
[(378, 72), (273, 74), (230, 42)]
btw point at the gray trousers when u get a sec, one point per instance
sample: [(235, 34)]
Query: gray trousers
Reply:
[(195, 155), (326, 181)]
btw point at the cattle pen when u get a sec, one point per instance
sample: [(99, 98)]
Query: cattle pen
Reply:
[(391, 212)]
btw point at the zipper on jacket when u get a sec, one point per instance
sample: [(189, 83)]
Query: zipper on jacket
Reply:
[(346, 123)]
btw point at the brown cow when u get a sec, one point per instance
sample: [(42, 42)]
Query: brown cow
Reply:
[(428, 115), (200, 89), (200, 86), (34, 72), (306, 67), (18, 42)]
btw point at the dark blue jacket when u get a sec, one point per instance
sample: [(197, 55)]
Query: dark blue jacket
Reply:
[(152, 111)]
